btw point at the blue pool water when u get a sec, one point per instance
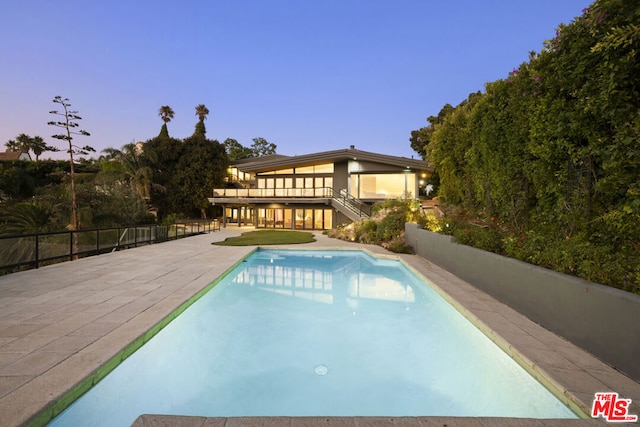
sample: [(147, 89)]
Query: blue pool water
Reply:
[(326, 333)]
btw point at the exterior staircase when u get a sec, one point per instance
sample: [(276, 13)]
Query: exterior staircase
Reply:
[(352, 208)]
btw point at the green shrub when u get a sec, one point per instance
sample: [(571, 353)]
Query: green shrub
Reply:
[(366, 231), (385, 227), (400, 247), (392, 225), (486, 238), (575, 255)]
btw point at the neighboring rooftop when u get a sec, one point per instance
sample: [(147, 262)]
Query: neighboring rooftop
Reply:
[(14, 155)]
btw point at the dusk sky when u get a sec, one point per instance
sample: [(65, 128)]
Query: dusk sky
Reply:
[(307, 75)]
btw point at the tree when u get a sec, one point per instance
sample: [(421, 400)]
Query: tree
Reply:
[(235, 151), (447, 151), (201, 112), (16, 183), (201, 168), (164, 155), (24, 143), (23, 218), (551, 152), (166, 114), (26, 218), (69, 123), (261, 147), (135, 165), (38, 146), (12, 145), (420, 138)]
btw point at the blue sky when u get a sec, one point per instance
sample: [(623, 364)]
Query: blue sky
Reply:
[(307, 75)]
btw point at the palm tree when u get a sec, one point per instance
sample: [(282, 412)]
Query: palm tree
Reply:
[(38, 146), (12, 145), (26, 217), (24, 142), (23, 218), (202, 112), (111, 153), (166, 114), (135, 167)]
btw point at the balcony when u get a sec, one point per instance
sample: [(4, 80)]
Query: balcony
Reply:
[(354, 209), (237, 193), (271, 195)]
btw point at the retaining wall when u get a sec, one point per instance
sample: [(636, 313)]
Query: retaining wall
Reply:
[(602, 320)]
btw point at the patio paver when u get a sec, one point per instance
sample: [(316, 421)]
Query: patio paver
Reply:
[(59, 324)]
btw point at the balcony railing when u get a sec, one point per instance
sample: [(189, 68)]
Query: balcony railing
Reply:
[(241, 193), (24, 251), (341, 198), (359, 208)]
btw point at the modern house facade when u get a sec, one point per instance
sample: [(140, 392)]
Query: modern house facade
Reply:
[(316, 191)]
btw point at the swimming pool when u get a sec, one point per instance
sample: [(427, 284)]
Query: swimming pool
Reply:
[(322, 333)]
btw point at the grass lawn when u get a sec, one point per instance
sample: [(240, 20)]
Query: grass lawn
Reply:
[(268, 237)]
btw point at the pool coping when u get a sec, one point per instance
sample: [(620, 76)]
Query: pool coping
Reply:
[(572, 374)]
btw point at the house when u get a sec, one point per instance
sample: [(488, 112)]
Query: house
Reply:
[(316, 191), (15, 155)]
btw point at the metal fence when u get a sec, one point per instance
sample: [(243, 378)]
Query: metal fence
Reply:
[(25, 251)]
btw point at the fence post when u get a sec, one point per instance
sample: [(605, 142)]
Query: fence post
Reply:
[(37, 251), (98, 242), (71, 245)]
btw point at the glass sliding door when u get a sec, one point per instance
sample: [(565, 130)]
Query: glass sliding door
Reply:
[(308, 219), (278, 218), (262, 218), (288, 221), (295, 218), (328, 219), (299, 218), (318, 219)]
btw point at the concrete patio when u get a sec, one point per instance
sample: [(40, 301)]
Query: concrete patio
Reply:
[(59, 326)]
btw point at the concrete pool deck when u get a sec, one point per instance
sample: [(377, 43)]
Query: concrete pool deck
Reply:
[(60, 324)]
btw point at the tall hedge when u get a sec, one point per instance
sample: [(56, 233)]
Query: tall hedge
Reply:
[(553, 149)]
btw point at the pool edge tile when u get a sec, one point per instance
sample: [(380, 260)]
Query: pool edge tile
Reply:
[(177, 254)]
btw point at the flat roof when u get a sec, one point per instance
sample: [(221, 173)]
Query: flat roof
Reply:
[(266, 163)]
